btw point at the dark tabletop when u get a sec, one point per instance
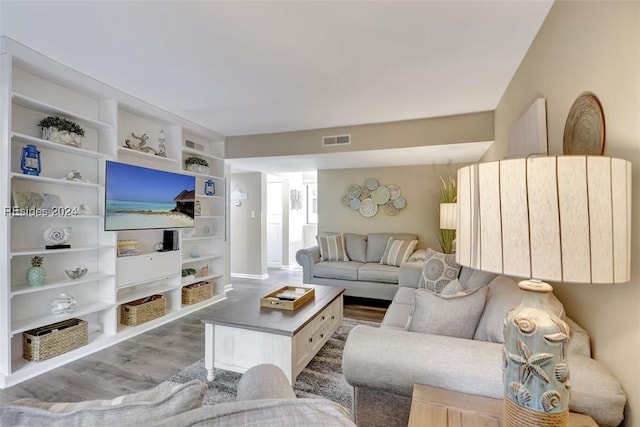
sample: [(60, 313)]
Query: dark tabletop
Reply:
[(248, 314)]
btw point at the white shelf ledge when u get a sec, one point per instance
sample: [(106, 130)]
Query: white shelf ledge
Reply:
[(35, 322), (201, 258), (204, 196), (200, 175), (56, 181), (196, 238), (187, 150), (141, 154), (34, 104), (27, 139), (133, 295), (202, 279), (23, 288), (209, 217), (37, 251)]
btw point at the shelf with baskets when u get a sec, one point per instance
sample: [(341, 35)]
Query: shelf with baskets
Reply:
[(201, 258), (34, 322)]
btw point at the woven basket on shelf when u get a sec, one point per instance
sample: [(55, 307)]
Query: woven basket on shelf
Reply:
[(54, 339), (142, 310), (197, 292)]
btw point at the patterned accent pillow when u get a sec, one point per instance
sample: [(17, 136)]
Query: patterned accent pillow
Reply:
[(439, 269), (398, 251), (332, 248)]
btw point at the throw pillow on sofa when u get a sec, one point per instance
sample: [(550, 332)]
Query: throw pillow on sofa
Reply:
[(397, 251), (451, 315), (143, 408), (439, 269), (332, 248)]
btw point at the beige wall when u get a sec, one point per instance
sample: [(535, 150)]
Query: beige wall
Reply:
[(410, 133), (248, 233), (420, 186), (591, 46)]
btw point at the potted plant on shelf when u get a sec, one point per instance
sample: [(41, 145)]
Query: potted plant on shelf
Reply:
[(59, 129), (196, 164), (188, 275)]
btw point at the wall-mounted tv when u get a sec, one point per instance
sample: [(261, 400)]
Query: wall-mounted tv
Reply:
[(139, 198)]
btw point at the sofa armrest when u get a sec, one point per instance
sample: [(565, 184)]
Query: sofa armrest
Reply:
[(307, 258), (409, 275), (265, 381), (393, 360)]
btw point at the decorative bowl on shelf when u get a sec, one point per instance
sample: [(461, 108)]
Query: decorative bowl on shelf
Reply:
[(77, 273)]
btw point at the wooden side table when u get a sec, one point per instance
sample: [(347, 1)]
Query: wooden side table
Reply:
[(431, 406)]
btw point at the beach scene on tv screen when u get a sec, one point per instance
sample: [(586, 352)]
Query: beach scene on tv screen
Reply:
[(140, 198)]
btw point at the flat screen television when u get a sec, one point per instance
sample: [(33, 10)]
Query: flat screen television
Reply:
[(139, 198)]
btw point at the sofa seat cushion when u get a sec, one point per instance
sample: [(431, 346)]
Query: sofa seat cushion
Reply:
[(347, 270), (371, 272), (143, 408), (397, 315)]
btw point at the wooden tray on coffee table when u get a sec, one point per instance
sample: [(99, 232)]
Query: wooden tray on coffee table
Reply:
[(287, 297)]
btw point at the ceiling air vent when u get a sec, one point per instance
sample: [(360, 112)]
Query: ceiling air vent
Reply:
[(330, 141)]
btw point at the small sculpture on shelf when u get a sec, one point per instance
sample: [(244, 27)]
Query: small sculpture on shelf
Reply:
[(75, 175), (84, 209), (142, 146), (76, 274), (59, 129), (57, 238), (162, 147), (63, 303), (36, 274)]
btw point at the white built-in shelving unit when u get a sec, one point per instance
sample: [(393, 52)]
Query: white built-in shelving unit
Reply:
[(33, 87)]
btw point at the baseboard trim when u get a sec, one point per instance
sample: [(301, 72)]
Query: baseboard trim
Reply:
[(228, 287), (250, 276)]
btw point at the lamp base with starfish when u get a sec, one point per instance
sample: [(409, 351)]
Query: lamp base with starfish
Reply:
[(535, 369)]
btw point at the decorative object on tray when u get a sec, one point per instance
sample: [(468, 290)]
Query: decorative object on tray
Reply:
[(196, 164), (75, 175), (76, 274), (142, 145), (127, 247), (210, 187), (30, 162), (584, 131), (287, 298), (367, 199), (162, 146), (54, 339), (197, 292), (448, 196), (63, 303), (64, 131), (57, 238), (142, 310), (36, 274)]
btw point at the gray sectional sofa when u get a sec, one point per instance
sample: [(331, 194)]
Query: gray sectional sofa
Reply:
[(363, 275), (383, 364)]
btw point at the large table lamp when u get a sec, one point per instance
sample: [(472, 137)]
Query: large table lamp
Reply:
[(556, 218)]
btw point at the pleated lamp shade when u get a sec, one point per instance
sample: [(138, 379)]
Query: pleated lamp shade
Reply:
[(556, 218), (448, 216)]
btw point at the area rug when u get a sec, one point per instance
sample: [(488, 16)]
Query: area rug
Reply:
[(322, 378)]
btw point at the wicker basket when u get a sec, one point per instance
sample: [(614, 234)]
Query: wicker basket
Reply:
[(142, 310), (197, 292), (52, 340)]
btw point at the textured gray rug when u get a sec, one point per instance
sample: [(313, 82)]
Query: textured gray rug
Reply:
[(321, 378)]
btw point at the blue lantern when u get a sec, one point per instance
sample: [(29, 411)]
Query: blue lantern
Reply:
[(30, 162), (209, 188)]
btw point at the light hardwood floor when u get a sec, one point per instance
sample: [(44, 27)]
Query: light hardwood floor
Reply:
[(150, 358)]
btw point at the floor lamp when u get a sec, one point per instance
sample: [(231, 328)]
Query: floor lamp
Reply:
[(556, 218)]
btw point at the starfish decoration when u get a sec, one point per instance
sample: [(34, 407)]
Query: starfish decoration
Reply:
[(530, 364)]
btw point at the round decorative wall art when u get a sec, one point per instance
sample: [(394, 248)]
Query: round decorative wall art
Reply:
[(372, 196), (584, 132)]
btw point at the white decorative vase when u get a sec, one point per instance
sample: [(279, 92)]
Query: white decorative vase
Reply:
[(62, 136), (536, 374)]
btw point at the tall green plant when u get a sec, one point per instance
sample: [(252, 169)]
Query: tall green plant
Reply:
[(448, 194)]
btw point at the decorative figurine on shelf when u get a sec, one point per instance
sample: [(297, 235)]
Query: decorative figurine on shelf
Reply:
[(57, 238), (76, 274), (204, 271), (142, 146), (30, 161), (63, 303), (209, 187), (75, 175), (36, 274), (162, 147), (84, 209)]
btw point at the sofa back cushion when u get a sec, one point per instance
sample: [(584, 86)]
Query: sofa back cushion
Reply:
[(377, 243), (504, 295), (451, 315), (355, 244)]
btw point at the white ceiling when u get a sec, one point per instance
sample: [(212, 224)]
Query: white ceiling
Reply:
[(241, 67)]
